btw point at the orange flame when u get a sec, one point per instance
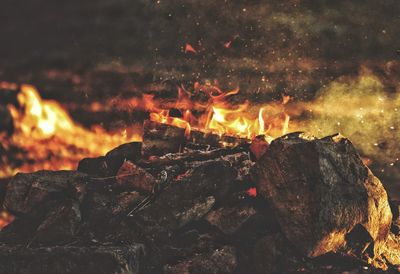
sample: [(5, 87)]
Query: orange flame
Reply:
[(219, 116), (189, 48), (49, 137), (51, 140), (5, 218)]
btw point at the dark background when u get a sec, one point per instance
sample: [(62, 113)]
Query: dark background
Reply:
[(104, 47)]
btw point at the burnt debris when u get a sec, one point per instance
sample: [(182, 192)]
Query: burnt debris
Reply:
[(179, 209)]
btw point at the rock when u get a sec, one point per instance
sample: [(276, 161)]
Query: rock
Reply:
[(60, 225), (27, 191), (230, 219), (395, 207), (132, 177), (391, 252), (196, 212), (3, 187), (320, 191), (109, 164), (258, 147), (219, 261), (129, 151), (273, 254), (60, 260), (191, 198), (95, 166), (125, 201)]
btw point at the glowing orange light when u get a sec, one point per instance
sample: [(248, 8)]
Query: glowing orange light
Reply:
[(189, 48)]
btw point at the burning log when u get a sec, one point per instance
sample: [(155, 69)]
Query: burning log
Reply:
[(160, 139), (323, 195)]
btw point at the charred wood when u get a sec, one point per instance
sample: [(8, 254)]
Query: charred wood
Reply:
[(160, 139)]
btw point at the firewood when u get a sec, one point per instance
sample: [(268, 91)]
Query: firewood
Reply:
[(184, 158), (160, 139)]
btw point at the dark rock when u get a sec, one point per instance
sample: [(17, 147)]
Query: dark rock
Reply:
[(129, 151), (160, 139), (109, 164), (273, 254), (97, 212), (3, 187), (95, 166), (27, 191), (230, 219), (219, 261), (132, 177), (102, 259), (191, 198), (395, 208), (258, 147), (125, 201), (320, 191), (60, 224)]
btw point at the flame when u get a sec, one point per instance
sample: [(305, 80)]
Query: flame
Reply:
[(47, 137), (218, 116), (5, 218)]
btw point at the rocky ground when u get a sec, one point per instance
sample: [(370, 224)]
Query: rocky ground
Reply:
[(300, 205)]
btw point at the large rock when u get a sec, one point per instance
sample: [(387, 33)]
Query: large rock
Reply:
[(27, 191), (321, 191)]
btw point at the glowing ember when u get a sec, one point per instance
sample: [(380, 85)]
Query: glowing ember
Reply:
[(189, 48), (5, 219), (252, 192)]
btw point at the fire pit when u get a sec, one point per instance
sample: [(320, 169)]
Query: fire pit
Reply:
[(206, 147)]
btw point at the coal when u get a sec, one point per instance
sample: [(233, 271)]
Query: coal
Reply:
[(320, 191), (129, 151), (3, 187), (273, 254), (230, 219), (193, 213), (160, 139), (71, 259), (132, 177), (223, 260), (28, 191), (95, 167), (109, 164)]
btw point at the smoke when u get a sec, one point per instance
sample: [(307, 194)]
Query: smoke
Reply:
[(360, 108)]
